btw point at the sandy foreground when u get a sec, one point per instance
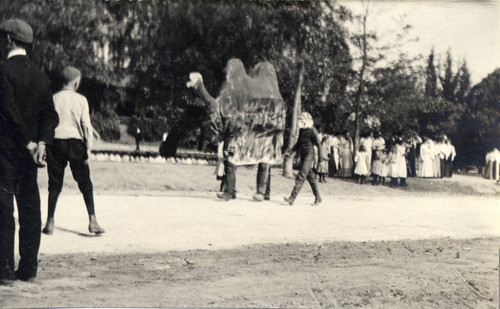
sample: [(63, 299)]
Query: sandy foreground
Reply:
[(393, 249), (137, 224), (197, 251)]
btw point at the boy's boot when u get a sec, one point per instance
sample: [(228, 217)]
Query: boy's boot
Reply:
[(296, 189), (315, 190)]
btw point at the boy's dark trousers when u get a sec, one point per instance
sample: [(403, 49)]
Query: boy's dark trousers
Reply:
[(59, 154), (305, 173)]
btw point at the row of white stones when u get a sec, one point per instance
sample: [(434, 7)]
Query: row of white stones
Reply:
[(113, 157)]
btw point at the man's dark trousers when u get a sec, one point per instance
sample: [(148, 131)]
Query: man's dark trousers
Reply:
[(443, 167), (19, 180)]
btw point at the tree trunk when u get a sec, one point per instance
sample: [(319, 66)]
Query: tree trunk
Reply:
[(359, 92), (288, 162), (357, 125)]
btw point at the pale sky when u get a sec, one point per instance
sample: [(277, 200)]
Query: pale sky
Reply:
[(470, 30)]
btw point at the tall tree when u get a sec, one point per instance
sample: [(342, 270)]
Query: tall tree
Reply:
[(317, 57), (463, 82), (369, 49), (449, 80), (479, 125), (431, 88), (397, 94)]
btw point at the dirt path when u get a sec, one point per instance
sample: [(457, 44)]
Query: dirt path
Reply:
[(408, 251), (163, 223)]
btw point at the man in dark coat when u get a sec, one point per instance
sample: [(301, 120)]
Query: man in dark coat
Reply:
[(27, 123)]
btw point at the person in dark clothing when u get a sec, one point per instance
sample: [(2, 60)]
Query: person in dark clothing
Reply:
[(308, 138), (412, 144), (138, 139), (27, 123)]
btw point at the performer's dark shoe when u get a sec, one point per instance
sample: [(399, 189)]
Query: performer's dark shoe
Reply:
[(23, 277), (258, 197), (289, 200), (225, 196), (317, 201), (267, 198), (95, 228), (49, 227)]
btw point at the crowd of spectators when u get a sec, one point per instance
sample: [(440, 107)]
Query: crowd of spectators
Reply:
[(392, 161)]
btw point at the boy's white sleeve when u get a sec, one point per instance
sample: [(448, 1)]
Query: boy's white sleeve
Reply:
[(87, 125)]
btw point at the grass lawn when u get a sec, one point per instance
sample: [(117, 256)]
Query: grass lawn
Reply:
[(154, 179)]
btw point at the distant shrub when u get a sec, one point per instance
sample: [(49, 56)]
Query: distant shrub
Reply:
[(107, 125), (152, 128)]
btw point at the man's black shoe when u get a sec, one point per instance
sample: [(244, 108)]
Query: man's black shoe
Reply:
[(6, 282), (23, 277)]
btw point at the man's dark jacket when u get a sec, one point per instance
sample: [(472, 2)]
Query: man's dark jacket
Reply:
[(27, 110)]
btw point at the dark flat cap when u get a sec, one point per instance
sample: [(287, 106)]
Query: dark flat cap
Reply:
[(18, 29)]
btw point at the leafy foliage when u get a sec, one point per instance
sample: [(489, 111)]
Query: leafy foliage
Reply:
[(479, 125), (136, 59)]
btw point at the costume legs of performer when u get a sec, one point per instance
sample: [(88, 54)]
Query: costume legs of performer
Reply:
[(305, 172), (230, 187), (263, 182)]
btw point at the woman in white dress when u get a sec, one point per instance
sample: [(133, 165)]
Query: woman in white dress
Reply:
[(346, 148), (398, 164), (437, 159), (367, 141), (427, 157), (334, 163)]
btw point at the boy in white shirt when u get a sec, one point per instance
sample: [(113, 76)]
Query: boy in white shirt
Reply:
[(72, 143)]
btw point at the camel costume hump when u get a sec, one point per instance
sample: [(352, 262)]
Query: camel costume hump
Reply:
[(251, 112)]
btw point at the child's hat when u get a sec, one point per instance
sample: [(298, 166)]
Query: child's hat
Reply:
[(70, 73)]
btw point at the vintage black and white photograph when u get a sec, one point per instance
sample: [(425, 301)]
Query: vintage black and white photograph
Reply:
[(249, 154)]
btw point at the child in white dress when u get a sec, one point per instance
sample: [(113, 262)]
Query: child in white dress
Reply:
[(361, 164)]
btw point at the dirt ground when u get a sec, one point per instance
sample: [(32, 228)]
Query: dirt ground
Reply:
[(322, 271)]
